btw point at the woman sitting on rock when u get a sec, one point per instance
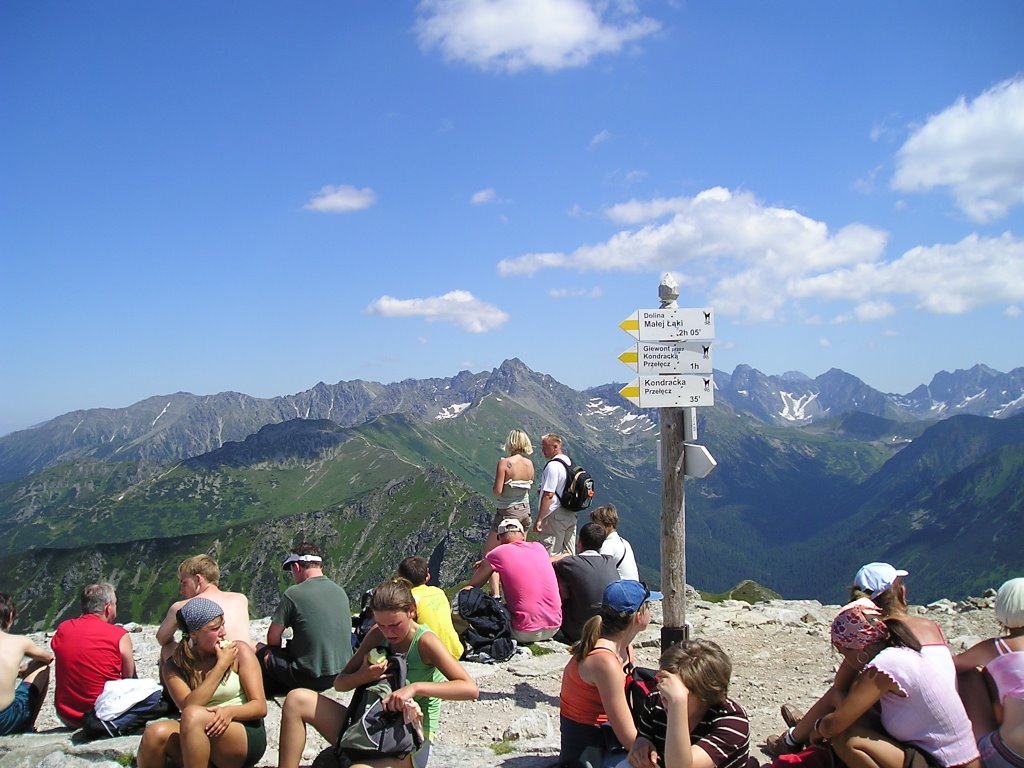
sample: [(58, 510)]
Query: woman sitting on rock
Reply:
[(594, 716), (432, 674), (696, 725), (218, 686), (922, 718), (998, 725), (884, 586)]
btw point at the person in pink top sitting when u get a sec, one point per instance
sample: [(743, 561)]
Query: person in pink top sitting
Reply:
[(923, 719), (528, 583), (998, 720)]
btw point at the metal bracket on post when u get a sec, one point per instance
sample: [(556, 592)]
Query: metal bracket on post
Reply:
[(689, 425), (675, 635)]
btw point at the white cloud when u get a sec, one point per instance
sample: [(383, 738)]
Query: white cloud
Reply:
[(483, 196), (944, 278), (751, 251), (458, 307), (1013, 311), (824, 342), (974, 148), (757, 262), (600, 138), (513, 35), (873, 310), (566, 293), (341, 199)]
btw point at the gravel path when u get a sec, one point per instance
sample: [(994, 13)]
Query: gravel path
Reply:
[(780, 653)]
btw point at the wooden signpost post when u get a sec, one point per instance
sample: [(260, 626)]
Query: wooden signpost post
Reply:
[(673, 359)]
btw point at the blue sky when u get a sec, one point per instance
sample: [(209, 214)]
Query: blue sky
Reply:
[(260, 196)]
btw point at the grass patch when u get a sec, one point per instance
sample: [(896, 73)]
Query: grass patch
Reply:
[(501, 748), (539, 650), (126, 759)]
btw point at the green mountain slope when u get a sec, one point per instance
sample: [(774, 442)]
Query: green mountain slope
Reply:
[(431, 514)]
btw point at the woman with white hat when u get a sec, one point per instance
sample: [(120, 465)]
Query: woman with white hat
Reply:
[(923, 721), (882, 584)]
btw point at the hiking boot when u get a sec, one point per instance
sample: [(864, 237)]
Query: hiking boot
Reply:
[(777, 745), (791, 715)]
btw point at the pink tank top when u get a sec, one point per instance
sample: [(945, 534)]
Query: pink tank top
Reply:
[(1007, 671)]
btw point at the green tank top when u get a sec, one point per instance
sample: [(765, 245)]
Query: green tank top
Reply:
[(418, 671)]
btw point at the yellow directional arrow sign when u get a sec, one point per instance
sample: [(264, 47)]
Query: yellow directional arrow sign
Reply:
[(681, 357), (670, 325), (670, 391)]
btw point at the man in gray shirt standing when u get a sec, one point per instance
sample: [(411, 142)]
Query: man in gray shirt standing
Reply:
[(318, 612)]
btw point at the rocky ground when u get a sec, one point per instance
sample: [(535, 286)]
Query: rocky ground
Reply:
[(780, 651)]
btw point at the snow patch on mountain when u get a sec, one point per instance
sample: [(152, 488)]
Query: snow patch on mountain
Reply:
[(971, 398), (451, 411), (617, 417), (794, 408), (1010, 406)]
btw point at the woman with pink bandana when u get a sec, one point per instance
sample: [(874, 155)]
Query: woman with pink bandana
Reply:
[(883, 586), (923, 721)]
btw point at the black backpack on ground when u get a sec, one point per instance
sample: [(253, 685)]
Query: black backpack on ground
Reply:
[(579, 487), (131, 721), (484, 625)]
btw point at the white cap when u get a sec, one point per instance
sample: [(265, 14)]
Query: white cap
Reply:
[(875, 578), (510, 524), (293, 558)]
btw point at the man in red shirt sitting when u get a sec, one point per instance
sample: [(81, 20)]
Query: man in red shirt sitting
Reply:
[(90, 650)]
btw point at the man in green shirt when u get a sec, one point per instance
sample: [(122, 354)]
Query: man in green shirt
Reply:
[(317, 610)]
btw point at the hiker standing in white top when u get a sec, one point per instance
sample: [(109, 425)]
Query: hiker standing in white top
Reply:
[(616, 546), (556, 526)]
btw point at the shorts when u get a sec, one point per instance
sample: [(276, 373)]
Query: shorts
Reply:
[(533, 635), (281, 676), (17, 718), (255, 741), (588, 746), (995, 753), (421, 755), (520, 512)]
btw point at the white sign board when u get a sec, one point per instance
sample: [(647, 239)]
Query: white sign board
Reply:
[(670, 325), (678, 391), (697, 461), (681, 357)]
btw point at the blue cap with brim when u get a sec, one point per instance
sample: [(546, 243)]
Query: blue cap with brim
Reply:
[(627, 596)]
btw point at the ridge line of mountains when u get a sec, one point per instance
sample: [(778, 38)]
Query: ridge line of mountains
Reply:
[(815, 477)]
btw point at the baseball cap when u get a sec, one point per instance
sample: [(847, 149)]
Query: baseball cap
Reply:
[(293, 558), (875, 578), (510, 524), (627, 596)]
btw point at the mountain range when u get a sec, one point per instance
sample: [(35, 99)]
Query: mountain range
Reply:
[(815, 477)]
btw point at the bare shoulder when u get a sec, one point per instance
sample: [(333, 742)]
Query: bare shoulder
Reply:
[(925, 630)]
